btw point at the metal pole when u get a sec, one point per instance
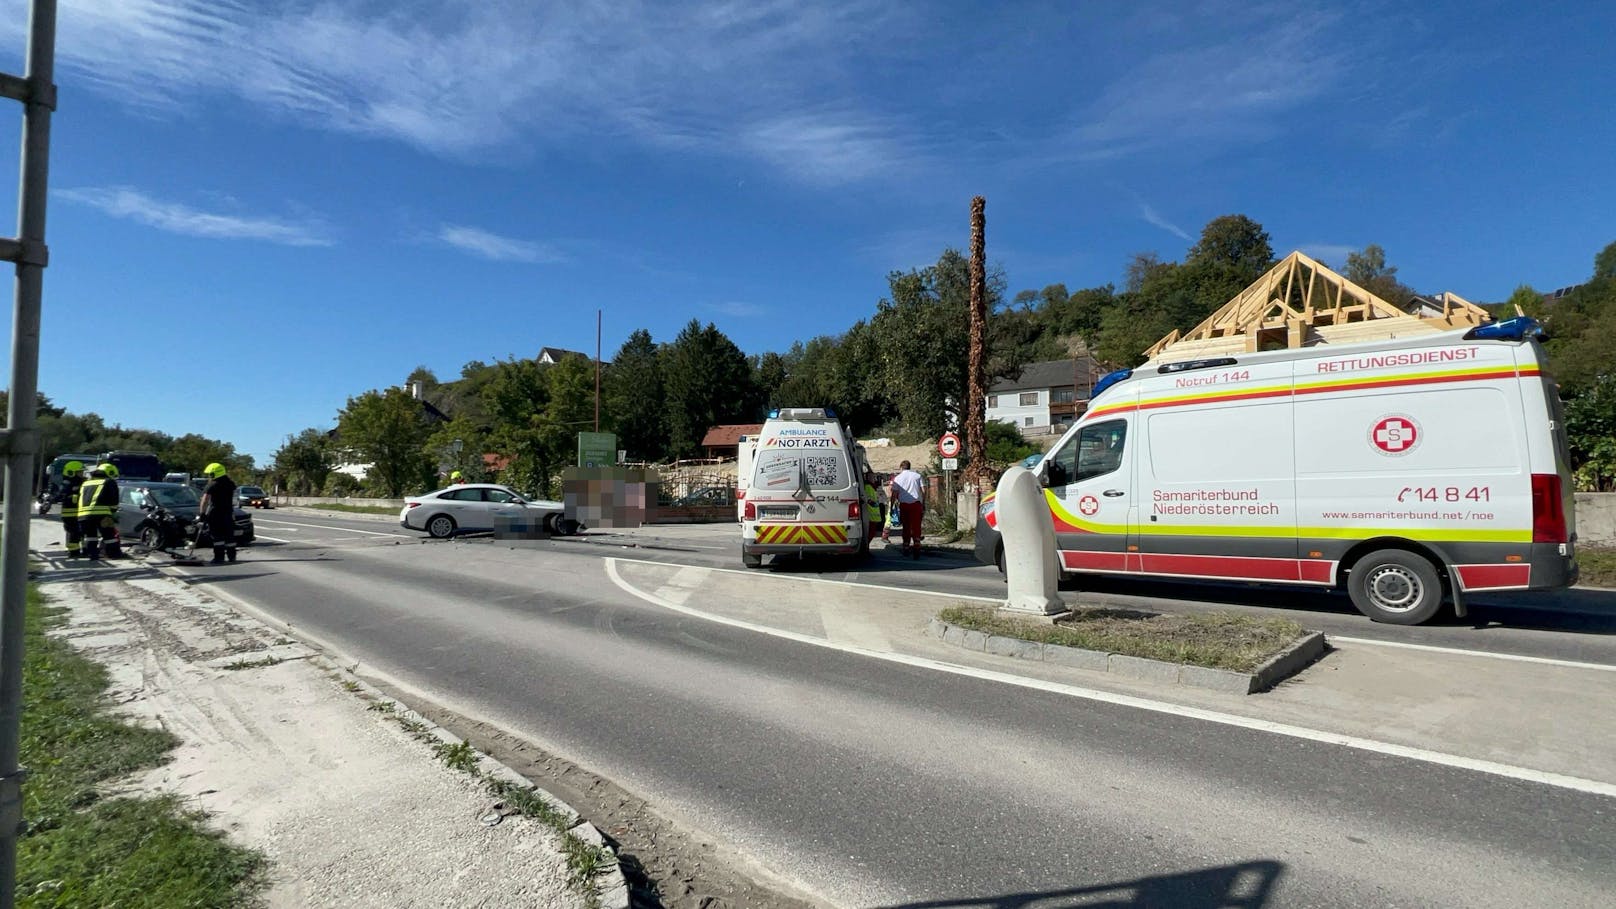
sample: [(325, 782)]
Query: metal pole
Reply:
[(597, 370), (37, 92)]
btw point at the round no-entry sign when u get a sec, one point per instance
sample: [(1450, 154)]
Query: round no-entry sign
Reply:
[(949, 445)]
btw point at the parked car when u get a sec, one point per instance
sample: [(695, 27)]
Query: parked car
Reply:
[(252, 497), (474, 507), (162, 515), (720, 496)]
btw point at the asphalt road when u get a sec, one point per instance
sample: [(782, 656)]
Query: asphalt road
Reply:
[(873, 783)]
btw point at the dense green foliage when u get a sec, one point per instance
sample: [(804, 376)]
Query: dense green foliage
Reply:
[(62, 432)]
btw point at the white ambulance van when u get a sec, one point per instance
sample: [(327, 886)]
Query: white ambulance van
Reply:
[(805, 492), (1398, 470)]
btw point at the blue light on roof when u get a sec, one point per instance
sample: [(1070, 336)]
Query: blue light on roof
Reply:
[(830, 413), (774, 414), (1519, 328), (1108, 380)]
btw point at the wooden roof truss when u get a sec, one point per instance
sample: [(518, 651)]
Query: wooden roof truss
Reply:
[(1301, 302)]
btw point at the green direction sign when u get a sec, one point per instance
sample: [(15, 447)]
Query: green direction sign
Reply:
[(597, 449)]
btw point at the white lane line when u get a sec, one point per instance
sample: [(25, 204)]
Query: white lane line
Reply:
[(272, 539), (1495, 768), (755, 575), (1516, 657), (373, 533)]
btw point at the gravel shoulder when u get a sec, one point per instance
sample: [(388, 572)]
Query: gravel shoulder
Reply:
[(349, 808)]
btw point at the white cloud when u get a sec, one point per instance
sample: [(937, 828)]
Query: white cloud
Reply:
[(1231, 86), (1331, 254), (1152, 217), (134, 205), (736, 309), (467, 77), (492, 246)]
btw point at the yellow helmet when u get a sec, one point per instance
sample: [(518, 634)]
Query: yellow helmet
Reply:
[(454, 474), (72, 468), (214, 470), (108, 470)]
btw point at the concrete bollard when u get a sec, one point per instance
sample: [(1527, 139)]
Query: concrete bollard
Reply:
[(1028, 534)]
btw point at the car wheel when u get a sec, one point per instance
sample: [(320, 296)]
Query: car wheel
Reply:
[(151, 537), (570, 527), (751, 561), (1395, 587), (552, 525), (440, 526)]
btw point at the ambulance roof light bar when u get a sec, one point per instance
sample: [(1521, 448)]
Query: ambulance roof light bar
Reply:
[(1183, 365), (1108, 380), (802, 413), (1520, 328)]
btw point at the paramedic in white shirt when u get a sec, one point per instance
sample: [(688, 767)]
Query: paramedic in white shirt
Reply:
[(908, 495)]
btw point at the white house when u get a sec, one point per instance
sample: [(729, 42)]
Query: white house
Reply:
[(1046, 398)]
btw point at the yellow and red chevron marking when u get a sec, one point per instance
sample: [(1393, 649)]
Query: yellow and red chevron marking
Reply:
[(801, 534)]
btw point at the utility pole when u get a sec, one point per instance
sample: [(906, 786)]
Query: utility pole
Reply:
[(976, 370), (19, 441)]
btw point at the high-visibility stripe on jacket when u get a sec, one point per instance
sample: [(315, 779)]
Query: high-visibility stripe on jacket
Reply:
[(70, 497), (98, 496)]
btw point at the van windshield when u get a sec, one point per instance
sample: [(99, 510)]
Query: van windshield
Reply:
[(788, 471)]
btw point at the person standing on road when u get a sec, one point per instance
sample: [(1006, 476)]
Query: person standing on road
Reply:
[(219, 511), (98, 509), (875, 518), (68, 496), (909, 497)]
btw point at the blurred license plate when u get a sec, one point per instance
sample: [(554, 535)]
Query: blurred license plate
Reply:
[(789, 511)]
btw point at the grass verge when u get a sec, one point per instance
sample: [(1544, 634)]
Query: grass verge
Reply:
[(354, 509), (1218, 640), (585, 860), (1598, 565), (83, 848)]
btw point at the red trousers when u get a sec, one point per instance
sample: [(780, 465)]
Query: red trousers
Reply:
[(910, 513)]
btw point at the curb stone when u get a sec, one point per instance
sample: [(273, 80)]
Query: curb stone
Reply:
[(1288, 662), (610, 887)]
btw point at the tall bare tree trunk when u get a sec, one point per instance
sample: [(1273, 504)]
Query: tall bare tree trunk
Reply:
[(976, 374)]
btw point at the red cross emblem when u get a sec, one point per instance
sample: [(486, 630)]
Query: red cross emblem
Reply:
[(1395, 435), (1089, 505)]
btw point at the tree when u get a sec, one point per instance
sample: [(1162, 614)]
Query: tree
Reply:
[(1605, 262), (192, 452), (389, 430), (459, 444), (514, 395), (634, 398), (708, 383), (1365, 267), (304, 461), (1233, 252)]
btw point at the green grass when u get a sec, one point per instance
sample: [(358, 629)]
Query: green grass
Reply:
[(85, 849), (1598, 565), (354, 509), (1218, 640)]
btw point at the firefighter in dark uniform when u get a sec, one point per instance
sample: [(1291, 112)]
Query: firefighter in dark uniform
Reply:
[(68, 497), (98, 509), (219, 511)]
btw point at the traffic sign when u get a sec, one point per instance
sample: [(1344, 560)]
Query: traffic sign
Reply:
[(951, 463), (949, 445)]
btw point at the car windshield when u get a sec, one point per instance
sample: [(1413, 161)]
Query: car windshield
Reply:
[(250, 491), (175, 496)]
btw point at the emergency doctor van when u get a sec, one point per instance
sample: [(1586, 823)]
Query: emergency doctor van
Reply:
[(1401, 471), (805, 492)]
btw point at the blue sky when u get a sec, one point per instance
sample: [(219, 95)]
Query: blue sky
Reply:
[(261, 209)]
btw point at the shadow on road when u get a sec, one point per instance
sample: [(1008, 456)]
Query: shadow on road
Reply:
[(1245, 886)]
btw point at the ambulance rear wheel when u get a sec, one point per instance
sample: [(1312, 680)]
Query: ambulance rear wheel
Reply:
[(751, 561), (1395, 587)]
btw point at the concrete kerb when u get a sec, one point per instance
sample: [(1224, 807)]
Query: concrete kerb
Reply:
[(1281, 666), (610, 887)]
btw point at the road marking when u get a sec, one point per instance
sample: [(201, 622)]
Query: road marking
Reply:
[(1461, 762), (373, 533), (272, 539), (1516, 657), (754, 574)]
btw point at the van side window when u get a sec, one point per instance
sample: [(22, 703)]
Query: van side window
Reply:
[(1094, 452)]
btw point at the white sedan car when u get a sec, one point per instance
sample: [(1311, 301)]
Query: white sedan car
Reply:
[(474, 507)]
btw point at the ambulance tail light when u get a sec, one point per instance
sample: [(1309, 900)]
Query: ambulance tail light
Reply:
[(852, 511), (1548, 509), (751, 512)]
